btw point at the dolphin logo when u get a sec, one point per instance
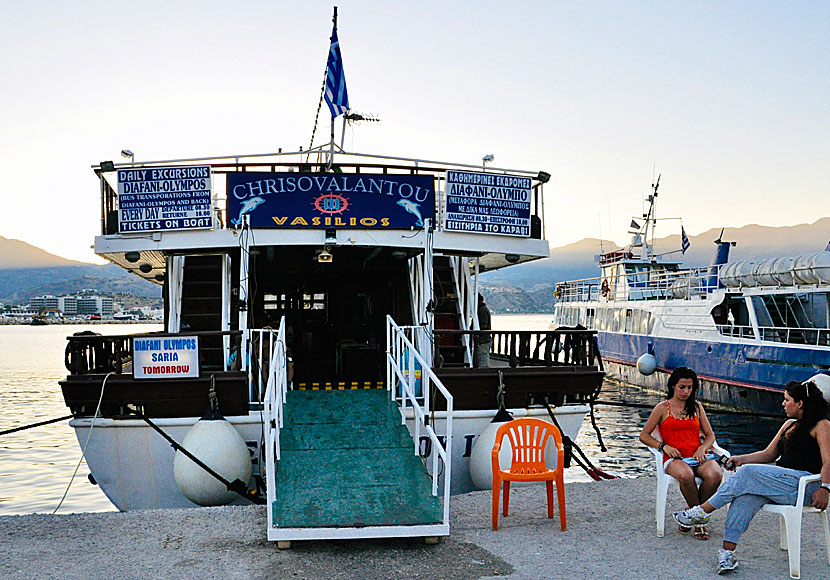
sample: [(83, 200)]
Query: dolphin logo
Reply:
[(248, 206), (412, 208)]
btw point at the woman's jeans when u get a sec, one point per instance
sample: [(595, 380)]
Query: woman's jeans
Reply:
[(750, 488)]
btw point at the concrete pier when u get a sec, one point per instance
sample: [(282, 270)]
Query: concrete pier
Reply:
[(611, 533)]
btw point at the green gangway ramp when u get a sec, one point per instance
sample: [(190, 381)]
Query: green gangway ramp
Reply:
[(347, 462)]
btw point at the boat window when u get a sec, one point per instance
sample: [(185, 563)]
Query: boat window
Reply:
[(629, 320), (793, 318), (732, 316), (589, 317)]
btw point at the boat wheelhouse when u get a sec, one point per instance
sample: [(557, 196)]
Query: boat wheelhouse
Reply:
[(746, 327), (329, 300)]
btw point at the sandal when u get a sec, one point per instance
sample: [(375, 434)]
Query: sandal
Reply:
[(701, 533), (684, 529)]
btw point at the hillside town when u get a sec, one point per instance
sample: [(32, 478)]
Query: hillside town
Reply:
[(83, 306)]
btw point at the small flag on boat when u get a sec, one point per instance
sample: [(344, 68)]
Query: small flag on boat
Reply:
[(684, 240), (634, 226), (336, 96)]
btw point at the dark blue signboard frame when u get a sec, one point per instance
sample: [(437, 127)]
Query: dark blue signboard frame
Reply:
[(164, 198), (488, 203), (331, 200)]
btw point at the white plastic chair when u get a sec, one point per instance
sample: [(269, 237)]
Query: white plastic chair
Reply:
[(791, 525), (664, 479)]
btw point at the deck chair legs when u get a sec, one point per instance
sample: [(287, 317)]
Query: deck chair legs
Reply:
[(549, 485), (790, 535), (560, 493)]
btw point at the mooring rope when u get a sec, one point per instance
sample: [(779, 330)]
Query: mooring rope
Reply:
[(38, 424), (86, 444)]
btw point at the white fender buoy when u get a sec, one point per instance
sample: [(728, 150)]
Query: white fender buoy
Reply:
[(481, 466), (219, 445), (822, 381), (647, 363)]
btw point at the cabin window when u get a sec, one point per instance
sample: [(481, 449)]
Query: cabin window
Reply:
[(629, 320), (793, 318), (589, 317)]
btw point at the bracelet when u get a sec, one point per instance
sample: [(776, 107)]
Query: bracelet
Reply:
[(825, 486), (661, 446)]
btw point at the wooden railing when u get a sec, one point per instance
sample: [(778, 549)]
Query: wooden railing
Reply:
[(535, 347), (91, 353)]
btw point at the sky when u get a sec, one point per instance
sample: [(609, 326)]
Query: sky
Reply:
[(729, 101)]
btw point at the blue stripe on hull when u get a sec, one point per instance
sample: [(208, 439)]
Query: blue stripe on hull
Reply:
[(729, 363)]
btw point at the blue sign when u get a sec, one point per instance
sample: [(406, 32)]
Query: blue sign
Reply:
[(331, 200), (164, 198), (488, 203)]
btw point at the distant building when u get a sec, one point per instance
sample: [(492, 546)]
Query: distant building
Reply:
[(44, 303), (102, 305), (68, 304)]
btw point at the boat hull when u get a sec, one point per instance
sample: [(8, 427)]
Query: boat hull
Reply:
[(133, 465), (744, 375)]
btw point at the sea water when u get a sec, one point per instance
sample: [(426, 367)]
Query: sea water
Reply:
[(36, 465)]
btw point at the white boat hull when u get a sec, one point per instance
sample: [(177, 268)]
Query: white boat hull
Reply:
[(133, 465)]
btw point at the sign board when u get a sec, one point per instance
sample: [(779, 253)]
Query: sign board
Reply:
[(166, 357), (331, 200), (153, 199), (488, 203)]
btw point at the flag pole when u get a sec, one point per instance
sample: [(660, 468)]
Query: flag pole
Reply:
[(331, 142)]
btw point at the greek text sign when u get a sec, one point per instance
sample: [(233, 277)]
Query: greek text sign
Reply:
[(488, 203), (164, 198), (331, 200), (166, 357)]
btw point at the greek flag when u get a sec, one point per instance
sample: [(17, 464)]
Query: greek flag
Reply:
[(684, 240), (336, 96)]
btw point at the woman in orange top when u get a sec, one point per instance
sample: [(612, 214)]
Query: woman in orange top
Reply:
[(681, 420)]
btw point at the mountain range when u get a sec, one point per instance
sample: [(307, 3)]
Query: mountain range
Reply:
[(578, 260), (26, 271)]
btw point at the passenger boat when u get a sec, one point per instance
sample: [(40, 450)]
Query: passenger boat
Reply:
[(311, 288), (746, 327)]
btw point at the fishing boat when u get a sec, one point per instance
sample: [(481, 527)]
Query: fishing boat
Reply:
[(746, 327)]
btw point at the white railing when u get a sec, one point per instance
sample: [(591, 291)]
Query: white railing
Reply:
[(790, 335), (685, 284), (402, 360), (274, 402)]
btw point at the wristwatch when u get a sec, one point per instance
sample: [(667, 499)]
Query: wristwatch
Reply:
[(826, 486)]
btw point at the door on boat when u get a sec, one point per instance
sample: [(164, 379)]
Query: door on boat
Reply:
[(205, 286), (335, 311)]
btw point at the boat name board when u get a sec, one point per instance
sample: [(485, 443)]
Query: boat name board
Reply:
[(164, 198), (166, 358), (488, 203), (314, 200)]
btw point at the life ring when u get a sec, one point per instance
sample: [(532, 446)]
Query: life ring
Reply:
[(604, 288)]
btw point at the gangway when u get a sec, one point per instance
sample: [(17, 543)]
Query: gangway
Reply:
[(341, 463)]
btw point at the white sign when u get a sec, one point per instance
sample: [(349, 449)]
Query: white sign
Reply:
[(164, 198), (166, 357), (488, 203)]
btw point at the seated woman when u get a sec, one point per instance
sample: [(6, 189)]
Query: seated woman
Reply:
[(802, 447), (681, 420)]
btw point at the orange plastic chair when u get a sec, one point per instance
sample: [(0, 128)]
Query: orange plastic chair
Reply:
[(529, 437)]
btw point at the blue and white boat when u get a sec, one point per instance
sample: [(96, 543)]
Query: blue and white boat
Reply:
[(746, 327)]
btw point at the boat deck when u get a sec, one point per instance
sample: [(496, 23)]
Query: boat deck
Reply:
[(347, 462)]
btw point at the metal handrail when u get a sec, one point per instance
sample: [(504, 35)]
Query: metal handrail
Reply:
[(399, 347), (274, 403)]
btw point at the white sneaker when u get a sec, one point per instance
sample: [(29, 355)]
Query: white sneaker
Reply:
[(692, 516), (726, 561)]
